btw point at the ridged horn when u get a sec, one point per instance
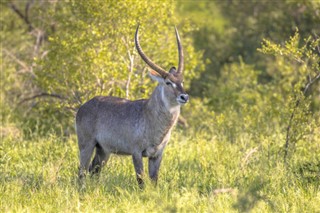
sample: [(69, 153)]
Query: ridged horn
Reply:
[(146, 59), (181, 56)]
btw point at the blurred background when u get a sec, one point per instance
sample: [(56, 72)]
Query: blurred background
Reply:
[(251, 67)]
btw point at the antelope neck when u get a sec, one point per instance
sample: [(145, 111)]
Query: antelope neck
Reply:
[(160, 105)]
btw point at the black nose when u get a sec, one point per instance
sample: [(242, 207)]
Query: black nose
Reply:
[(184, 97)]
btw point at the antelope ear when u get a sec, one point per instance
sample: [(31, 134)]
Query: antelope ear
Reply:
[(155, 76), (172, 70)]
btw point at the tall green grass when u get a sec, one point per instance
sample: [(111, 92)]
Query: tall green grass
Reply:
[(198, 174)]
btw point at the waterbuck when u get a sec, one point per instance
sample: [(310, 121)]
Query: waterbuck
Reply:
[(139, 128)]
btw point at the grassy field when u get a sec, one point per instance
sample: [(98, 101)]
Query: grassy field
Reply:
[(251, 68), (198, 174)]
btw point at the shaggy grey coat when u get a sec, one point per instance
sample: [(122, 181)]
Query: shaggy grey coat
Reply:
[(139, 128)]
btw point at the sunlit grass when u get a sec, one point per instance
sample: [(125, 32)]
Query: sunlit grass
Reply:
[(197, 175)]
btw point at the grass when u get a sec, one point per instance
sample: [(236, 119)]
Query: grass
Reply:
[(198, 174)]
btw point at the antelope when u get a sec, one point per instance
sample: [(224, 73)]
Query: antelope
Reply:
[(140, 128)]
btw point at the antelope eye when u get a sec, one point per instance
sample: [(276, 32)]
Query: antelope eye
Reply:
[(168, 83)]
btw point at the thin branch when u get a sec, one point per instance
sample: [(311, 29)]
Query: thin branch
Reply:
[(15, 58), (183, 122), (311, 82), (21, 63), (248, 155), (76, 97), (41, 95), (40, 37), (22, 16), (27, 13), (72, 109), (130, 68), (286, 147)]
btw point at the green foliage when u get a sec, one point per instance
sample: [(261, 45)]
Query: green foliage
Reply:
[(20, 44), (95, 53), (309, 172), (91, 52), (296, 64), (236, 29), (297, 73)]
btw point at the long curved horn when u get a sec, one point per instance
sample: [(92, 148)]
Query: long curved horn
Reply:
[(181, 56), (153, 66)]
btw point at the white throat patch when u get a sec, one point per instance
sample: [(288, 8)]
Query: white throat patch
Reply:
[(170, 108)]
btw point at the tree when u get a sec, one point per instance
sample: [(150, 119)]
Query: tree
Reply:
[(92, 53), (299, 74), (25, 26), (229, 29)]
